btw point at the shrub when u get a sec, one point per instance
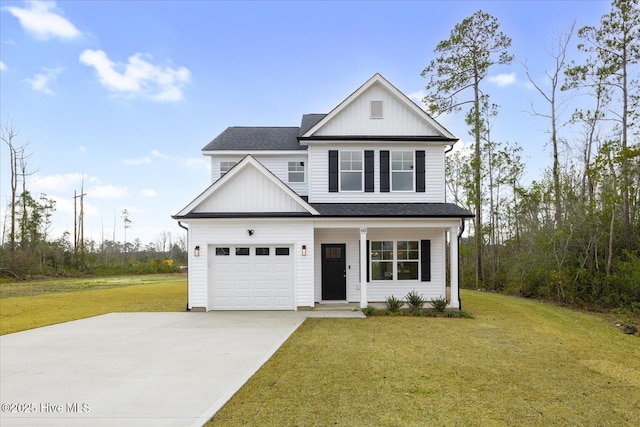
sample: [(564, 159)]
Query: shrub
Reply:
[(439, 304), (415, 300), (369, 311), (393, 304)]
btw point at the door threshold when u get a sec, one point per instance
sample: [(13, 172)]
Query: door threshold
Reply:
[(334, 302)]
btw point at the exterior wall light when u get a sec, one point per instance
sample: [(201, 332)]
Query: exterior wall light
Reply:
[(304, 250), (196, 251), (250, 232)]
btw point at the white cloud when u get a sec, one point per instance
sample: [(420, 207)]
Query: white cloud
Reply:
[(40, 82), (140, 161), (108, 192), (43, 21), (148, 193), (2, 66), (503, 79), (58, 183), (159, 154), (138, 77), (82, 149), (197, 163)]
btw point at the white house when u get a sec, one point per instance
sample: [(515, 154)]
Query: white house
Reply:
[(347, 207)]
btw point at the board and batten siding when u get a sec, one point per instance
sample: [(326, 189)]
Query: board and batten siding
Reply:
[(398, 118), (378, 291), (209, 233), (249, 191), (277, 164), (319, 175)]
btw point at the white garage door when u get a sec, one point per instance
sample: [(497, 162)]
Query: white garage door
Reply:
[(251, 278)]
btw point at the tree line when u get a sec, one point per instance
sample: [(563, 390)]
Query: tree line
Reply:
[(572, 236), (28, 249)]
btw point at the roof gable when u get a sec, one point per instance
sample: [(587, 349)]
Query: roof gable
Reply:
[(402, 117), (248, 187)]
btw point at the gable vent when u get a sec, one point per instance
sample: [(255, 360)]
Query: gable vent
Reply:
[(376, 109)]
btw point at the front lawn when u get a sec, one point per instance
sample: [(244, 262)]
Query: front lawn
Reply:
[(31, 304), (517, 362)]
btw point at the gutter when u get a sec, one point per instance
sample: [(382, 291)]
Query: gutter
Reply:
[(459, 275)]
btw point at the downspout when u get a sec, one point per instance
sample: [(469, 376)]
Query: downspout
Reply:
[(458, 255), (186, 228)]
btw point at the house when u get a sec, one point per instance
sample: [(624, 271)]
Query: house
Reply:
[(347, 207)]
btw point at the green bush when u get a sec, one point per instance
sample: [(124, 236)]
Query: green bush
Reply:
[(415, 301), (439, 304), (369, 311), (393, 304)]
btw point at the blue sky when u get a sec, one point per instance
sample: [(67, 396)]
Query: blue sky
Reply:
[(126, 93)]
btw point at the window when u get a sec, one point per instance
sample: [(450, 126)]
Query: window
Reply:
[(222, 251), (382, 260), (408, 260), (242, 251), (225, 167), (395, 260), (296, 171), (351, 171), (282, 251), (402, 171), (262, 251), (376, 109)]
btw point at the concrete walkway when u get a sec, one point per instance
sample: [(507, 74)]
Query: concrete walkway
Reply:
[(137, 369)]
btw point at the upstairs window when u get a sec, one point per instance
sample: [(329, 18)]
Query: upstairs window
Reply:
[(296, 171), (376, 109), (225, 167), (351, 171), (402, 171)]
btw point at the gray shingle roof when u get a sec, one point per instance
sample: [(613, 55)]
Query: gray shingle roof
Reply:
[(422, 210), (256, 138), (309, 121), (342, 210)]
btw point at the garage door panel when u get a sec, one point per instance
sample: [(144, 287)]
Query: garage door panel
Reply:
[(253, 282)]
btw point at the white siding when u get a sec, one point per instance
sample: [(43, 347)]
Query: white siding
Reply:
[(398, 118), (277, 165), (249, 191), (229, 232), (434, 175), (379, 291)]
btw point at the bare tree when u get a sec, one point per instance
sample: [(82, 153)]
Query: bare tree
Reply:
[(556, 108)]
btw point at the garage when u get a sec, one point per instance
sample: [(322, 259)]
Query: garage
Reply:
[(251, 277)]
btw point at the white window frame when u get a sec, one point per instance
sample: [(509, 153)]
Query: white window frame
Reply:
[(394, 261), (228, 164), (298, 169), (411, 171), (351, 171)]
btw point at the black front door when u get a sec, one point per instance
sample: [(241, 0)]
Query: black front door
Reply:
[(334, 272)]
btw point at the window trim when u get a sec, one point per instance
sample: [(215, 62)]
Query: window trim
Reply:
[(394, 262), (412, 171), (296, 164), (229, 165), (340, 171)]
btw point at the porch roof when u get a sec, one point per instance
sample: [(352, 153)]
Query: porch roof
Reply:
[(352, 210)]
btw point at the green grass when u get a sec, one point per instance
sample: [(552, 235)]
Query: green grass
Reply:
[(31, 304), (516, 363)]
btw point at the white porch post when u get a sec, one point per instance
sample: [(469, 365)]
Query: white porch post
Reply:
[(363, 267), (453, 257)]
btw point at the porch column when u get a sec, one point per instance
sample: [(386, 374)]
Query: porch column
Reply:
[(363, 267), (453, 258)]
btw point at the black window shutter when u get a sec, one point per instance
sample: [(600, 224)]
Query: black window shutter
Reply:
[(368, 263), (368, 171), (425, 262), (420, 171), (333, 171), (384, 171)]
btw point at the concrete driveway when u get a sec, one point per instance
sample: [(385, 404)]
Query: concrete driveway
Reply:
[(136, 369)]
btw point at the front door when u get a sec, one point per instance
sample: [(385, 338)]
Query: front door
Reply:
[(334, 272)]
